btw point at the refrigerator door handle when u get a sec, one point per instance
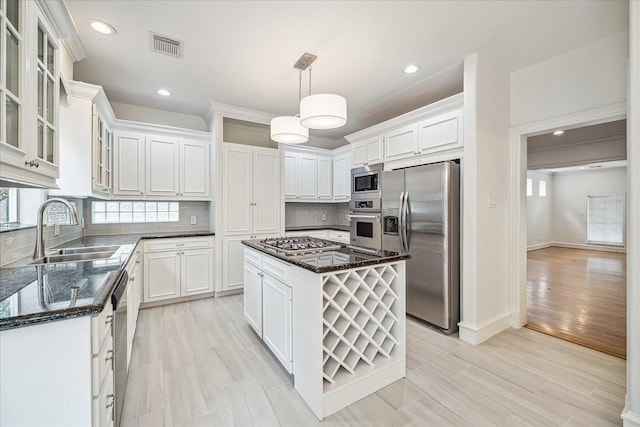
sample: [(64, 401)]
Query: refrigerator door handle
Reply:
[(400, 221), (405, 224)]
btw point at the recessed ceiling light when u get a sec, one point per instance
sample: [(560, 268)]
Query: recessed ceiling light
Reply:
[(163, 92), (558, 132), (103, 27), (411, 68)]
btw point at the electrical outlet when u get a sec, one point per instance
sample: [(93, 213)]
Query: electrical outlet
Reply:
[(56, 229), (194, 220), (324, 217)]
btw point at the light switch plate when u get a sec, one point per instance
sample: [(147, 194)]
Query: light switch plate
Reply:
[(194, 220)]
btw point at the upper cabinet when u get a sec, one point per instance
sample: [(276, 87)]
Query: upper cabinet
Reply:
[(29, 95), (367, 152), (316, 175), (428, 134)]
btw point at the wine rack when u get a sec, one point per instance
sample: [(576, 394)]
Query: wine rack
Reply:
[(359, 319)]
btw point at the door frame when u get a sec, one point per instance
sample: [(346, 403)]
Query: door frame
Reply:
[(518, 200)]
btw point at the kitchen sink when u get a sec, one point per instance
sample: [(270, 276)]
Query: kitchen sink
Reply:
[(74, 257), (86, 250)]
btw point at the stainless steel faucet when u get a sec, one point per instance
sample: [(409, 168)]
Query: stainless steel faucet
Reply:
[(39, 251)]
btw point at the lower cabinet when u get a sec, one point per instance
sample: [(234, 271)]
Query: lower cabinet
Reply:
[(177, 267), (232, 264), (268, 303), (134, 291)]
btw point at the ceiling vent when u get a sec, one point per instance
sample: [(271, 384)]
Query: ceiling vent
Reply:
[(166, 45)]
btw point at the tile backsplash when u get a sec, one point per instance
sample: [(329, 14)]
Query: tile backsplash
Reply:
[(310, 214)]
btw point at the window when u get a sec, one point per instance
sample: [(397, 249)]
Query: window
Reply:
[(128, 212), (529, 187), (8, 205), (542, 188), (605, 219)]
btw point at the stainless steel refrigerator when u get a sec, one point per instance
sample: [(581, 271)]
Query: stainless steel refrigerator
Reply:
[(421, 215)]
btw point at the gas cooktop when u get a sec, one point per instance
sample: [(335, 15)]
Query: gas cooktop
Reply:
[(291, 245)]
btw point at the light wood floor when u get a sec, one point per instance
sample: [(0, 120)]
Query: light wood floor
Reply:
[(199, 364), (580, 296)]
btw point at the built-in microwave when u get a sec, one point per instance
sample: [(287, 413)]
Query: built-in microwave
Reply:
[(365, 182)]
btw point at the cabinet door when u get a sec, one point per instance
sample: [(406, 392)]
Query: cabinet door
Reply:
[(291, 176), (233, 263), (266, 191), (374, 152), (325, 178), (358, 155), (236, 189), (194, 169), (441, 133), (341, 177), (128, 152), (253, 297), (162, 276), (162, 167), (196, 272), (401, 144), (307, 164), (276, 321)]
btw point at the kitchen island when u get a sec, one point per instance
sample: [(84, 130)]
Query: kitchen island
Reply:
[(333, 316)]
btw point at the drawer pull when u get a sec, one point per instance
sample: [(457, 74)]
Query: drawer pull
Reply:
[(109, 356), (179, 244), (110, 404), (109, 320)]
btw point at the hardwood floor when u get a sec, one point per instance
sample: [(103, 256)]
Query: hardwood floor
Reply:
[(199, 364), (579, 296)]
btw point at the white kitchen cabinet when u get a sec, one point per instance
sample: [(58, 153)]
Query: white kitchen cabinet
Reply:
[(251, 190), (253, 296), (85, 168), (64, 366), (176, 168), (342, 177), (29, 95), (401, 143), (301, 176), (134, 299), (177, 267), (129, 164), (162, 167), (339, 236), (268, 303), (325, 178), (367, 152), (443, 132)]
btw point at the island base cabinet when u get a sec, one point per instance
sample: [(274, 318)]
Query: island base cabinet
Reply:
[(253, 297), (276, 319)]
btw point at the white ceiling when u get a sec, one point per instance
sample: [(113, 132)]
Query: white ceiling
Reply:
[(242, 52)]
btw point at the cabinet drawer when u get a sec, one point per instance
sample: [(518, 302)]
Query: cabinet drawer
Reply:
[(339, 236), (173, 244), (253, 256), (102, 364), (275, 268), (101, 327)]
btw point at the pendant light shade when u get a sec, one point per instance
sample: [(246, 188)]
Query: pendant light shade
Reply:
[(287, 130), (323, 111)]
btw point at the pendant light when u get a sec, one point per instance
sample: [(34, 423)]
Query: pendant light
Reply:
[(320, 111), (287, 129), (323, 110)]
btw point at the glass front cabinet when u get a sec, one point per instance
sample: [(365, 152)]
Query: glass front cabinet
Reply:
[(29, 95)]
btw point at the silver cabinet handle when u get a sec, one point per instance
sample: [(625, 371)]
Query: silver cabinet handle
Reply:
[(109, 320), (110, 404), (179, 244), (109, 356)]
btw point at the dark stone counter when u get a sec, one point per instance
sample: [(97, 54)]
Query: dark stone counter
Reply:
[(344, 258), (33, 294)]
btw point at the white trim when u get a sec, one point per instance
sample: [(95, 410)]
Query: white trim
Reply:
[(582, 246), (518, 203), (476, 334)]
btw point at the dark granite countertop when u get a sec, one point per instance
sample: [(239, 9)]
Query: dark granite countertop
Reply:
[(317, 227), (32, 294), (344, 258)]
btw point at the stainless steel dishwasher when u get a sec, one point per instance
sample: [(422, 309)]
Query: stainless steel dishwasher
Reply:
[(119, 331)]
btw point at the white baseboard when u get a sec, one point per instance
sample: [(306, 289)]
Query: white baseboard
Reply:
[(630, 419), (476, 334), (584, 246)]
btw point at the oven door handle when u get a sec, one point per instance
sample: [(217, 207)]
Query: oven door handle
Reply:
[(358, 216)]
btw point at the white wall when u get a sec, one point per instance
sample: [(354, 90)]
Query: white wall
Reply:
[(159, 117), (485, 210), (539, 211), (570, 200), (592, 76)]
